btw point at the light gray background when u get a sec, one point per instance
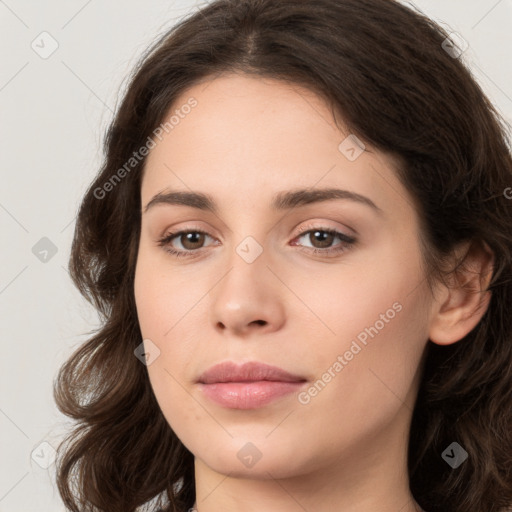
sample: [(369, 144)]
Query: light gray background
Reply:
[(54, 112)]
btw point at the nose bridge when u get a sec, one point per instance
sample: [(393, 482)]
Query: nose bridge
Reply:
[(248, 259), (249, 232), (253, 237), (248, 293)]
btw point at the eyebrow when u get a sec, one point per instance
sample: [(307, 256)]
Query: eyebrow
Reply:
[(281, 201)]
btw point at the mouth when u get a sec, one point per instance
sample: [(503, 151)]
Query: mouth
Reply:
[(248, 372), (248, 386), (249, 395)]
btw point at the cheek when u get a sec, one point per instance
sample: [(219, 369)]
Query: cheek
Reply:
[(159, 310), (375, 328), (372, 294), (162, 295), (362, 387), (375, 357), (166, 302)]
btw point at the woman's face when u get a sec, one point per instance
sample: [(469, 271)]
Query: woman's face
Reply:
[(351, 320)]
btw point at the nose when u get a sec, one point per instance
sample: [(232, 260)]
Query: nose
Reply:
[(249, 297)]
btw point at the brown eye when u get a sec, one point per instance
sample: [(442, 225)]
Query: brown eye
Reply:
[(191, 240), (321, 240), (324, 238)]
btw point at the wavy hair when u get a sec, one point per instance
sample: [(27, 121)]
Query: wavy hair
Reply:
[(384, 69)]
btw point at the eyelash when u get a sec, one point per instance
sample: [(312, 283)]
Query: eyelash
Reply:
[(347, 242)]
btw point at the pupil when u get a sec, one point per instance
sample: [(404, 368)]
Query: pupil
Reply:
[(322, 235), (190, 238)]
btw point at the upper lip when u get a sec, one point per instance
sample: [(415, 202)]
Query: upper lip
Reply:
[(247, 372)]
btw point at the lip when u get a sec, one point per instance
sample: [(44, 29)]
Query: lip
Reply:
[(252, 371), (249, 385)]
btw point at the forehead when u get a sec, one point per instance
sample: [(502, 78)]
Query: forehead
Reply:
[(246, 135), (248, 117)]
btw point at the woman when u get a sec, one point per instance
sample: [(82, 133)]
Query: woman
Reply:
[(300, 243)]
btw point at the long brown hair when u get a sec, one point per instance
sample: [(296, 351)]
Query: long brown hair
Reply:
[(385, 70)]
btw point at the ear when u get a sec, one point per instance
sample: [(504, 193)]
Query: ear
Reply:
[(462, 303)]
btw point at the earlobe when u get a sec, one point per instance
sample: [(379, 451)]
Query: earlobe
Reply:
[(463, 303)]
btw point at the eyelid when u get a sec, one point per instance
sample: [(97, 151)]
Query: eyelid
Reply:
[(321, 225), (187, 228)]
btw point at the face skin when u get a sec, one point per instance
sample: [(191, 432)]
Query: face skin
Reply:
[(346, 447)]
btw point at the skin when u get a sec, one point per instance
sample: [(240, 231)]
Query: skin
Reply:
[(346, 449)]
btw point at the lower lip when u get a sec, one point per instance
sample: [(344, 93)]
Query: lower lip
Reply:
[(248, 395)]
